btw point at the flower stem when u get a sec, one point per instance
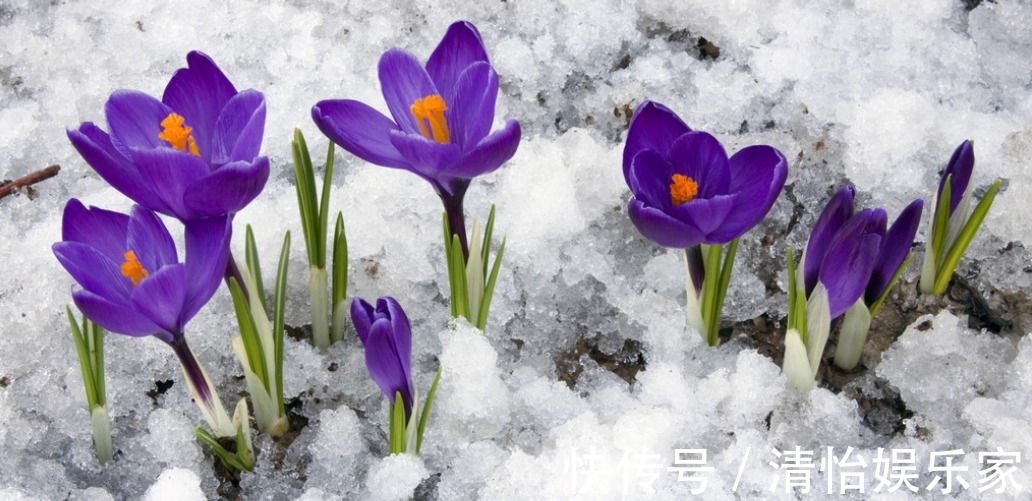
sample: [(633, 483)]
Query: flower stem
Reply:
[(201, 389), (232, 271), (456, 219)]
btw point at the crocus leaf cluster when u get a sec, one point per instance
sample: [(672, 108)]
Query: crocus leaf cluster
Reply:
[(954, 223)]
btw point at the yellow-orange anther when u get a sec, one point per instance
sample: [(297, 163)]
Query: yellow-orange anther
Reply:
[(429, 113), (683, 189), (177, 134), (132, 269)]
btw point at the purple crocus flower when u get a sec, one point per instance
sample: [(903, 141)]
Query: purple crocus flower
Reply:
[(895, 247), (960, 166), (191, 155), (131, 280), (440, 123), (686, 189), (852, 254), (386, 334)]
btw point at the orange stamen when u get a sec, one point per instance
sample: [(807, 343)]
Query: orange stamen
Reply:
[(132, 269), (429, 113), (683, 189), (177, 134)]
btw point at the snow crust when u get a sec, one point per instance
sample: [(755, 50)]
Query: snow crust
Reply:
[(877, 93)]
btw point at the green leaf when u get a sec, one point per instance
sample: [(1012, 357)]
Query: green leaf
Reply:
[(304, 177), (485, 249), (249, 333), (324, 206), (97, 352), (711, 263), (485, 303), (397, 424), (229, 459), (254, 265), (85, 363), (964, 239), (722, 285), (791, 290), (424, 417), (458, 265), (279, 299), (340, 261), (448, 260), (940, 225)]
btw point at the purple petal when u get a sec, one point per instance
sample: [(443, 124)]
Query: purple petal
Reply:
[(227, 190), (362, 317), (894, 250), (650, 178), (93, 271), (101, 229), (705, 214), (149, 239), (135, 121), (207, 252), (403, 80), (471, 111), (757, 176), (360, 129), (659, 227), (171, 172), (159, 297), (238, 131), (460, 47), (847, 266), (428, 158), (96, 148), (400, 329), (961, 164), (701, 157), (198, 93), (653, 127), (836, 213), (489, 154), (117, 317), (384, 364)]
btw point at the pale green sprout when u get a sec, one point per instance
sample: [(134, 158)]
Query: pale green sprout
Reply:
[(703, 309), (89, 344), (472, 287), (951, 235), (407, 437), (242, 459), (314, 219), (809, 324), (259, 347)]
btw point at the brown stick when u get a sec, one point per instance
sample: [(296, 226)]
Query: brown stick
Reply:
[(29, 179)]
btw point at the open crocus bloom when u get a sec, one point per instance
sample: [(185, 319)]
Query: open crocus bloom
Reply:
[(386, 334), (191, 155), (441, 116), (132, 282), (686, 189)]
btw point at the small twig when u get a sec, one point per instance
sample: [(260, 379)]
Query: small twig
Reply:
[(29, 179)]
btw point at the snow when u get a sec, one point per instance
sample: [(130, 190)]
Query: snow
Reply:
[(875, 93)]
